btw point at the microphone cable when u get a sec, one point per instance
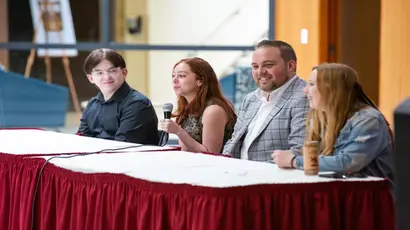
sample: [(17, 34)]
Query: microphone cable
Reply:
[(62, 157)]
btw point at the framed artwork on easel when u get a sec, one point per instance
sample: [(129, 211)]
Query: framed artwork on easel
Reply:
[(53, 24)]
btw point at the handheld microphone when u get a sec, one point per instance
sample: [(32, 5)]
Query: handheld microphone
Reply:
[(167, 108), (163, 138)]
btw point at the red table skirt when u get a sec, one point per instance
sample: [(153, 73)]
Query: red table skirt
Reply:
[(71, 200)]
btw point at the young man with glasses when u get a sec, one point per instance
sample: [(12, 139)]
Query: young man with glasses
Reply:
[(118, 112)]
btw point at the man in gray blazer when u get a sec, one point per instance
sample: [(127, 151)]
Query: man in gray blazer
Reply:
[(273, 117)]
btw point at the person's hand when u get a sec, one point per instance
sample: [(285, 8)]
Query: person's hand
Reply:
[(283, 158), (170, 126)]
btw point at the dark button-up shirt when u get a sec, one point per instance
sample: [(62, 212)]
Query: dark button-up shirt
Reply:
[(127, 116)]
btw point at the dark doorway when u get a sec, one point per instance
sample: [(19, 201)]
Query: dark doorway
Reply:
[(360, 42), (86, 26), (352, 36)]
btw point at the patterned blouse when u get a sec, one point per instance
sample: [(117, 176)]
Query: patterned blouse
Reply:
[(193, 126)]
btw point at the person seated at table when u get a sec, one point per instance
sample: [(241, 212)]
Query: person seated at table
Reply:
[(274, 115), (118, 112), (353, 134), (204, 118)]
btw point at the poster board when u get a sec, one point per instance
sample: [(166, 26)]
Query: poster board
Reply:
[(53, 24)]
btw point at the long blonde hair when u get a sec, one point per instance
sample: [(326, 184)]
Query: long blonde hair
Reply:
[(341, 96)]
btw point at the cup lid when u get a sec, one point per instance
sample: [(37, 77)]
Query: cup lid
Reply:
[(311, 142)]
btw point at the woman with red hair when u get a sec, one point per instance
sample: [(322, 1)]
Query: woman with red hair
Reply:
[(204, 118)]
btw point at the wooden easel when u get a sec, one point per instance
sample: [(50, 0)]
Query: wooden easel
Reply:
[(52, 22)]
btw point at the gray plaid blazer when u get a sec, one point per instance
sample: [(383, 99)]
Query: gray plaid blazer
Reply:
[(283, 129)]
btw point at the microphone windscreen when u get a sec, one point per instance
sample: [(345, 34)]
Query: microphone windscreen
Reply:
[(167, 107)]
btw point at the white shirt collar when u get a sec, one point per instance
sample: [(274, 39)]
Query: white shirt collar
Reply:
[(263, 95)]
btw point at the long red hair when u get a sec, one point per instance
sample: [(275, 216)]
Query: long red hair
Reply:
[(210, 90)]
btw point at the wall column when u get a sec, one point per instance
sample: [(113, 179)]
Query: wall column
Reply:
[(137, 61), (394, 55)]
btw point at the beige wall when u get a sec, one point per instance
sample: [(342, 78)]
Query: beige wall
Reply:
[(137, 61), (394, 55), (4, 31)]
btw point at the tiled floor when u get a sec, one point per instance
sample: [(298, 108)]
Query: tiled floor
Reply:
[(73, 118), (71, 123)]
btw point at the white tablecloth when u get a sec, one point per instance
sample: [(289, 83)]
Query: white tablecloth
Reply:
[(82, 200), (179, 167), (27, 141), (176, 167)]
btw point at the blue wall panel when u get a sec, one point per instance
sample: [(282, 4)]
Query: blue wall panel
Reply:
[(29, 102)]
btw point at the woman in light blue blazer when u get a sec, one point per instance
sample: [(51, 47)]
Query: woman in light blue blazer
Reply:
[(353, 134)]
